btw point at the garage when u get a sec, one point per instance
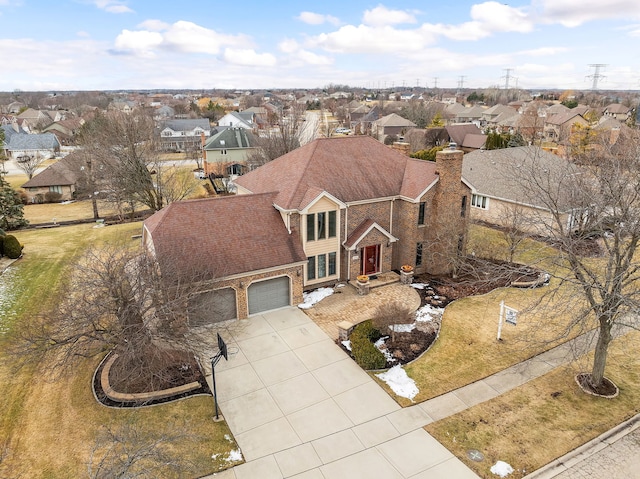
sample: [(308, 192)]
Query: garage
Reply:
[(212, 307), (269, 294)]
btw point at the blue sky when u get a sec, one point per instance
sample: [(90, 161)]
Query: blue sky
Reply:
[(139, 44)]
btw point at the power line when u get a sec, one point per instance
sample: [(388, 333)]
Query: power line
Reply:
[(596, 76)]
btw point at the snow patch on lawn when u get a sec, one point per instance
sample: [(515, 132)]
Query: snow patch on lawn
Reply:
[(401, 384), (419, 285), (501, 469), (234, 456), (315, 296), (347, 345)]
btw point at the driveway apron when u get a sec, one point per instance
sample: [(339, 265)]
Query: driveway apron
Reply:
[(298, 406)]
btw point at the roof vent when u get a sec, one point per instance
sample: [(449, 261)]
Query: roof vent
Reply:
[(453, 145)]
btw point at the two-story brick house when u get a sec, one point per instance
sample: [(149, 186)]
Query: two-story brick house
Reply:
[(347, 206)]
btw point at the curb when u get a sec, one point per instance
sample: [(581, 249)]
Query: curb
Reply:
[(585, 451)]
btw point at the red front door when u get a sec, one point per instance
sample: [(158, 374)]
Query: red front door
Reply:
[(370, 260)]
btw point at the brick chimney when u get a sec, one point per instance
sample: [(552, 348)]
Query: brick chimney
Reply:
[(401, 147), (451, 211)]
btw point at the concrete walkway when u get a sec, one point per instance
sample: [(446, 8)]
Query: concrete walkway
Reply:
[(298, 406)]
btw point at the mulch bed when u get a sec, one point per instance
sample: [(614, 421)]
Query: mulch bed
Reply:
[(185, 370), (606, 389), (476, 277)]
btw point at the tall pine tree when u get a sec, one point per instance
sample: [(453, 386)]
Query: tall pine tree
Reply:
[(11, 214)]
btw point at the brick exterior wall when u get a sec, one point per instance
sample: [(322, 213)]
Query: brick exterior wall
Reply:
[(241, 285), (380, 212)]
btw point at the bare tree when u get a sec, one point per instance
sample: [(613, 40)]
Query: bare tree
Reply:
[(281, 138), (132, 451), (30, 163), (598, 203), (119, 300), (125, 146), (388, 315)]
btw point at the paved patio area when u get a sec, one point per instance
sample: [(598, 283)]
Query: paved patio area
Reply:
[(346, 305)]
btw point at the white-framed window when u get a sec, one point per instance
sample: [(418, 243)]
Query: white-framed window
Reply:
[(55, 189), (479, 201), (321, 225), (322, 265)]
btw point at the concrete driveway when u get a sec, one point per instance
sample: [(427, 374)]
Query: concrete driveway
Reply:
[(298, 406)]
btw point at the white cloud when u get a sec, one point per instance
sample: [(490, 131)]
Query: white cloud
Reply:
[(112, 6), (154, 25), (248, 57), (312, 18), (573, 13), (367, 39), (189, 37), (141, 42), (501, 17), (488, 18), (181, 36), (296, 52), (288, 45), (381, 16)]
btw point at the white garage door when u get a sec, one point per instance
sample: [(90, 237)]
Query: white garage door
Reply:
[(269, 294), (212, 306)]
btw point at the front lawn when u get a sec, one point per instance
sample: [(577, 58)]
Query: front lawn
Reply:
[(49, 426), (546, 418)]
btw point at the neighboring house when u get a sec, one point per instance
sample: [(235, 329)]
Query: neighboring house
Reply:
[(61, 177), (389, 125), (65, 130), (183, 135), (164, 112), (326, 212), (497, 193), (20, 144), (558, 127), (238, 119), (467, 136), (473, 114), (617, 111), (38, 119), (226, 152), (490, 115)]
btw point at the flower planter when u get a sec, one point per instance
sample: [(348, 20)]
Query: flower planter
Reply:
[(406, 274)]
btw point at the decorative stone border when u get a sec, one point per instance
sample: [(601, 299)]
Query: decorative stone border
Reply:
[(582, 388), (139, 397), (539, 281)]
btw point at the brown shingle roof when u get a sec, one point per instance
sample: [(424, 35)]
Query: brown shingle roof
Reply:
[(349, 168), (219, 237), (63, 172)]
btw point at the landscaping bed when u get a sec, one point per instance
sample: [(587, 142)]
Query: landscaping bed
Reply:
[(475, 277)]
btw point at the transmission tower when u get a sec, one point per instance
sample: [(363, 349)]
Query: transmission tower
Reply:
[(461, 81), (435, 82), (507, 77), (596, 76)]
